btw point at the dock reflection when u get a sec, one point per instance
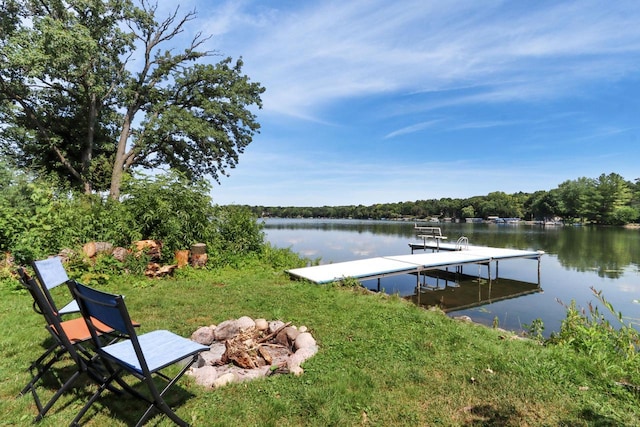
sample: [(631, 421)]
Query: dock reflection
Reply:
[(456, 291)]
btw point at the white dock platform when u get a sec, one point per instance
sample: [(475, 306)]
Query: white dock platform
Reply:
[(375, 268)]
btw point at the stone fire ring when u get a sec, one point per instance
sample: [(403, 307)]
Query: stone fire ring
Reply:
[(245, 349)]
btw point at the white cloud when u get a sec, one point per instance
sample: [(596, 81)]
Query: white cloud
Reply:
[(318, 53)]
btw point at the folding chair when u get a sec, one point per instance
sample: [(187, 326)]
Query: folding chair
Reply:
[(143, 356), (51, 273), (68, 337)]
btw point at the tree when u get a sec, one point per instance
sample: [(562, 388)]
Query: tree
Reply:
[(612, 194), (73, 100), (468, 212), (575, 196), (543, 204)]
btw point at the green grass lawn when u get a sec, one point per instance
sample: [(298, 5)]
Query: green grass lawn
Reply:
[(382, 362)]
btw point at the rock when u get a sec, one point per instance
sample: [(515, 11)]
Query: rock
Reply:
[(282, 338), (226, 330), (203, 335), (274, 325), (261, 324), (120, 253), (245, 323), (302, 329), (205, 376), (292, 333), (297, 371), (224, 380), (251, 374), (305, 339), (278, 355), (300, 356)]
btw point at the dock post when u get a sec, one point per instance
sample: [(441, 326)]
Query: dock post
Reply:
[(539, 270)]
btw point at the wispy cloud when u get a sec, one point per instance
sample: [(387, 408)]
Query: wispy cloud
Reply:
[(412, 129), (320, 53)]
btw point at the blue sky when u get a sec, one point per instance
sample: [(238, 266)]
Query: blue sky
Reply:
[(387, 101)]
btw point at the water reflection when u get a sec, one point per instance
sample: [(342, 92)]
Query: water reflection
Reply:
[(454, 291), (576, 259)]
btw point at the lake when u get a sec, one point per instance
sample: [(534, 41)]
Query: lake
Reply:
[(576, 259)]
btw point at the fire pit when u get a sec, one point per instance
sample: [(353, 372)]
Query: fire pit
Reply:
[(245, 349)]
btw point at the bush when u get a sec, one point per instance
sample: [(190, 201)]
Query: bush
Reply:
[(171, 209), (238, 234), (39, 218), (588, 331)]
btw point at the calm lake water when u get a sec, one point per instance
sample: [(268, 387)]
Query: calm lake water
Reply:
[(576, 259)]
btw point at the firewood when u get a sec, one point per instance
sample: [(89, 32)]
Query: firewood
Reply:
[(182, 257), (274, 333)]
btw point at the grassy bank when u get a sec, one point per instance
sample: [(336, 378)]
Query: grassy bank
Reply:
[(382, 361)]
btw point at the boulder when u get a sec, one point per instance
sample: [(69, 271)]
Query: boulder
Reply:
[(226, 330), (304, 340), (224, 379), (274, 325), (262, 324), (300, 356), (292, 333), (203, 335), (245, 323), (205, 376)]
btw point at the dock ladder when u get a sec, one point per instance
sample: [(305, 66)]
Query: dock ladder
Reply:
[(462, 243)]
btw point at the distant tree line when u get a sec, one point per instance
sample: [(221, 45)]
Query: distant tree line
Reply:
[(608, 200)]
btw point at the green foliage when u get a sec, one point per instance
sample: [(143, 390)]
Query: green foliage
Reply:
[(39, 218), (535, 329), (624, 215), (238, 233), (169, 208), (74, 104), (283, 258), (589, 331), (349, 282), (609, 200), (468, 212)]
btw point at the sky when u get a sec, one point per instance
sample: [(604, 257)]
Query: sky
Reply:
[(379, 101)]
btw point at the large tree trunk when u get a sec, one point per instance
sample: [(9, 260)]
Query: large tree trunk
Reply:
[(87, 155), (118, 162)]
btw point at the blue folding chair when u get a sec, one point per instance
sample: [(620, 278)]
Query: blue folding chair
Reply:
[(68, 339), (51, 273), (143, 356)]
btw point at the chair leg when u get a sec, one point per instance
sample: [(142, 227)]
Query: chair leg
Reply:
[(40, 368), (159, 402), (57, 395), (105, 385)]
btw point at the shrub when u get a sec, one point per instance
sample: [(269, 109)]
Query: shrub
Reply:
[(169, 208), (588, 331), (39, 218), (238, 233)]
